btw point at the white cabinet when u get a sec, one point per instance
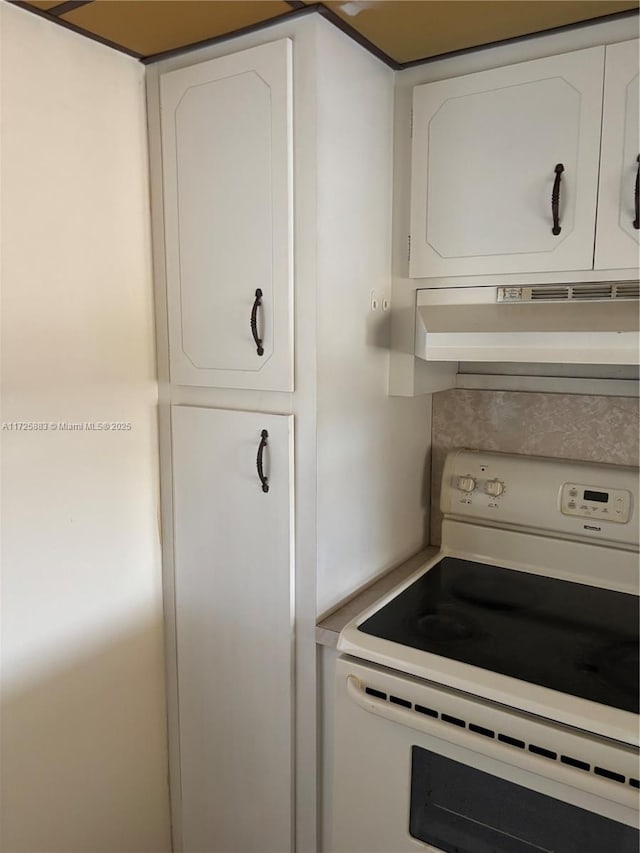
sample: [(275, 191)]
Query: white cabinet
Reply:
[(484, 155), (234, 628), (227, 192), (239, 632), (617, 237)]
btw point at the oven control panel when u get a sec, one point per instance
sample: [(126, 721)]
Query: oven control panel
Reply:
[(554, 496), (595, 502)]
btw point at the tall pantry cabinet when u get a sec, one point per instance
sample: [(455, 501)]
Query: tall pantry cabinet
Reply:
[(290, 478)]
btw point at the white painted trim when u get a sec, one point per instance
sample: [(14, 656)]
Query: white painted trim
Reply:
[(164, 441)]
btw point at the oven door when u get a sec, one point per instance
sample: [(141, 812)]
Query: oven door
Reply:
[(421, 767)]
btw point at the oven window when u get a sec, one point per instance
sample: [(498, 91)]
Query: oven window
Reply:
[(458, 809)]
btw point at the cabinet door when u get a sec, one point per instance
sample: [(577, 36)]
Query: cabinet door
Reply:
[(227, 182), (617, 239), (485, 148), (234, 592)]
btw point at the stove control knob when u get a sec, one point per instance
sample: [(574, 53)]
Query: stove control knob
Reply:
[(466, 484), (494, 488)]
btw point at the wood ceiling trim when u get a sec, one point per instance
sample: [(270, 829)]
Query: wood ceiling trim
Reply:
[(412, 31), (298, 9), (298, 12), (154, 26), (614, 16), (42, 13), (355, 34), (68, 6)]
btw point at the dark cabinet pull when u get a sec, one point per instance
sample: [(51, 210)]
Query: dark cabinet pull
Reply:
[(636, 221), (555, 200), (254, 322), (264, 435)]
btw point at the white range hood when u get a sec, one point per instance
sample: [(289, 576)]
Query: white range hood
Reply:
[(587, 323)]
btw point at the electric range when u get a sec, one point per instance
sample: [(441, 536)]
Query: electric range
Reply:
[(514, 654)]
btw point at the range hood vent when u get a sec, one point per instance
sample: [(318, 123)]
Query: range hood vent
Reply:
[(586, 323), (628, 290), (556, 293), (546, 293)]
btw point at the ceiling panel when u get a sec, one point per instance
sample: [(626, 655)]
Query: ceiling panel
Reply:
[(152, 26), (409, 30), (44, 4), (404, 30)]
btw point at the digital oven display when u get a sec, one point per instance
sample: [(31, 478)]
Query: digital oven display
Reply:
[(602, 497)]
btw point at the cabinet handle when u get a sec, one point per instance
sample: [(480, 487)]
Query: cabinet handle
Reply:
[(636, 221), (264, 435), (555, 200), (254, 322)]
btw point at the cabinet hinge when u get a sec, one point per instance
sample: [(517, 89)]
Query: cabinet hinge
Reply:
[(409, 247)]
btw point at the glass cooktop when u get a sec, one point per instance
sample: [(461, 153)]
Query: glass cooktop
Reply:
[(566, 636)]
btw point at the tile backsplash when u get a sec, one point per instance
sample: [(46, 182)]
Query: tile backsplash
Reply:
[(571, 426)]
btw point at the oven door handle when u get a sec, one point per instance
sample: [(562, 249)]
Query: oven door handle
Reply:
[(406, 717), (462, 737), (410, 718)]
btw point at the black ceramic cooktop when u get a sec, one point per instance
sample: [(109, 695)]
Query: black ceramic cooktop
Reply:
[(567, 636)]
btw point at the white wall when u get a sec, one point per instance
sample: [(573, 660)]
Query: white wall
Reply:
[(83, 709)]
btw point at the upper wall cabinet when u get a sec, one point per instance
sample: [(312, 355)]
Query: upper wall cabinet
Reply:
[(617, 236), (490, 152), (227, 182)]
